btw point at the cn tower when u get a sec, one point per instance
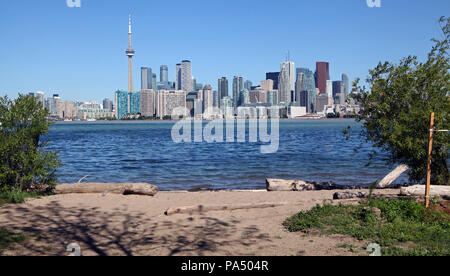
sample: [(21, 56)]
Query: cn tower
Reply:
[(130, 53)]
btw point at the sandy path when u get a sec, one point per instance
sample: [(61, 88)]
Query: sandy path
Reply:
[(135, 225)]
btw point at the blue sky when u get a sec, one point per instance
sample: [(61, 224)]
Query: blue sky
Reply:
[(80, 52)]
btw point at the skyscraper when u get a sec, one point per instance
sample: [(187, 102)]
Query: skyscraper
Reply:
[(248, 85), (238, 85), (186, 76), (275, 76), (223, 88), (310, 86), (130, 53), (322, 75), (286, 83), (146, 78), (164, 74), (107, 104), (153, 81), (207, 99), (300, 86), (178, 76), (345, 83)]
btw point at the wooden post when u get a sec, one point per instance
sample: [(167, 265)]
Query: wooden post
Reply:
[(430, 151)]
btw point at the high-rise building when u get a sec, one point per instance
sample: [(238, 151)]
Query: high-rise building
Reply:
[(40, 96), (154, 80), (167, 102), (322, 100), (164, 74), (130, 53), (310, 86), (107, 104), (146, 78), (272, 97), (216, 100), (148, 105), (267, 85), (275, 76), (244, 97), (238, 85), (178, 76), (207, 100), (223, 88), (329, 89), (345, 83), (186, 76), (248, 85), (286, 84), (127, 103), (259, 95), (300, 86), (322, 76)]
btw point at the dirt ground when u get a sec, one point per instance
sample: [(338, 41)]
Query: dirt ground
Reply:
[(136, 225)]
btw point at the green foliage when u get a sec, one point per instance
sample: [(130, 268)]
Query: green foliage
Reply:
[(24, 163), (398, 105), (401, 221)]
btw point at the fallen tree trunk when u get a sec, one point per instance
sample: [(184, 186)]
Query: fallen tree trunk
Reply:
[(419, 190), (350, 195), (394, 175), (115, 188), (281, 185), (229, 207)]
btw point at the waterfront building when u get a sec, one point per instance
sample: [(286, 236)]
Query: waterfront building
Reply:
[(163, 74), (127, 103), (275, 77), (238, 85), (284, 84), (40, 96), (53, 106), (322, 100), (223, 88), (148, 105), (186, 76), (146, 78), (208, 105), (299, 86), (272, 97), (226, 106), (108, 104), (310, 86), (244, 97), (169, 101), (322, 76), (258, 95)]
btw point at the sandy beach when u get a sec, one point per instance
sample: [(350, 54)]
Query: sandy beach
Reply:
[(117, 225)]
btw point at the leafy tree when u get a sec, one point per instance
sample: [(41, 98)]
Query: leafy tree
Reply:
[(398, 104), (24, 164)]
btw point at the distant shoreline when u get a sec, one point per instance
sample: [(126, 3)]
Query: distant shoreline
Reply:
[(173, 121)]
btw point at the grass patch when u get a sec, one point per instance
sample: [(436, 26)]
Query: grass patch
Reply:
[(8, 239), (404, 228), (15, 196)]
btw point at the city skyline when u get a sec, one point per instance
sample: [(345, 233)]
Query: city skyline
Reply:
[(71, 73)]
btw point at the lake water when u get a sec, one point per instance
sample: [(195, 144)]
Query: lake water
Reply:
[(145, 152)]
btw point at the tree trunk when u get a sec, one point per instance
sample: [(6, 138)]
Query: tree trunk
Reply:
[(419, 190), (115, 188)]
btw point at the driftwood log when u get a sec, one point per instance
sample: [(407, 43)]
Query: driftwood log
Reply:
[(281, 185), (394, 175), (199, 209), (114, 188), (419, 190), (350, 195)]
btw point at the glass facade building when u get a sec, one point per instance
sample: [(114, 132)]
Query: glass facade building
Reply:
[(310, 86)]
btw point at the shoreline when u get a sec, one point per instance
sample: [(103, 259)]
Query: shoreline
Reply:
[(117, 225), (174, 121)]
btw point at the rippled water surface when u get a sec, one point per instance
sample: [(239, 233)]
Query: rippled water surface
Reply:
[(145, 152)]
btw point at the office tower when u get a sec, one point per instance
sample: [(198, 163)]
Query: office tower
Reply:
[(178, 76), (53, 105), (127, 103), (275, 76), (153, 81), (135, 103), (40, 96), (208, 103), (259, 95), (226, 106), (223, 88), (216, 100), (130, 53), (286, 83), (194, 84), (304, 99), (164, 74), (345, 83), (107, 104), (186, 76), (248, 85), (329, 91), (244, 97), (146, 78), (300, 86), (272, 97), (322, 100), (267, 85), (310, 86), (238, 85), (338, 88), (198, 86), (148, 105), (322, 76)]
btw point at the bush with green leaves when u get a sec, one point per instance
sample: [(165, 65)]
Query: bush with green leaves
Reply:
[(25, 165), (397, 108)]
